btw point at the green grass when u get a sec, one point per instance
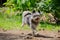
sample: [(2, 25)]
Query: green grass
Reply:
[(15, 22), (48, 26), (11, 23)]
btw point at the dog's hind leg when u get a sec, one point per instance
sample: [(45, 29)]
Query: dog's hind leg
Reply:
[(23, 22)]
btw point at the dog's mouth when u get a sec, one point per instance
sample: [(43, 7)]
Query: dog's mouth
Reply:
[(37, 19)]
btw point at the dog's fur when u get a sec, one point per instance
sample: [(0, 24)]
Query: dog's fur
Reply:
[(32, 19)]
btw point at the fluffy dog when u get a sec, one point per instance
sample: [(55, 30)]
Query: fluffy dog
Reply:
[(32, 19)]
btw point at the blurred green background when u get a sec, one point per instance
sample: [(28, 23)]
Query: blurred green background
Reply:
[(11, 13)]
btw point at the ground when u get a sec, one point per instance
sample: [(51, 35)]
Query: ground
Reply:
[(26, 35)]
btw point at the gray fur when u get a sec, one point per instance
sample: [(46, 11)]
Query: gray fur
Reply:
[(32, 19)]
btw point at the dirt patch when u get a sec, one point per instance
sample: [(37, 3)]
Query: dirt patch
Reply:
[(27, 35)]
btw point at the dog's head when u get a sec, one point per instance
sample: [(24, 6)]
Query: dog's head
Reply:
[(36, 15)]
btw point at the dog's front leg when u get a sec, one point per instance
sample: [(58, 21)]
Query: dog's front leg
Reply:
[(33, 29)]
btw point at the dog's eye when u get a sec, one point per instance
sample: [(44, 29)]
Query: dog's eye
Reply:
[(33, 11)]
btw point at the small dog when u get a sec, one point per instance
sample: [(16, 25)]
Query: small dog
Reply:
[(32, 19)]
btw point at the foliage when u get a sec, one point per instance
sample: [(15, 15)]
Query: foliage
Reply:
[(43, 5), (56, 7), (21, 4), (50, 6)]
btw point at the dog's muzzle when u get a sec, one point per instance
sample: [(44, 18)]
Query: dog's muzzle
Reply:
[(37, 19)]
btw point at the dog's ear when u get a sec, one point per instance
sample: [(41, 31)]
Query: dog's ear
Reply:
[(39, 11), (33, 11)]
